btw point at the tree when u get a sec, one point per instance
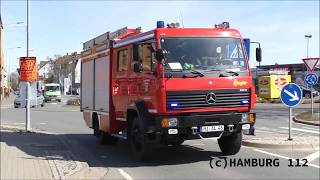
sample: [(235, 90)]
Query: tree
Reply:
[(14, 80)]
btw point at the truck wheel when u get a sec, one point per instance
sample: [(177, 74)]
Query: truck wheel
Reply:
[(177, 142), (141, 150), (307, 96), (102, 137), (230, 145)]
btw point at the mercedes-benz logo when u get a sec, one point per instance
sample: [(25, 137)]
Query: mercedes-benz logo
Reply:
[(211, 98)]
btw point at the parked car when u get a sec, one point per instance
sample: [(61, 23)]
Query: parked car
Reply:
[(33, 103), (307, 93), (52, 92), (75, 91)]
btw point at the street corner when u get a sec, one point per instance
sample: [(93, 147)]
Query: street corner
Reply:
[(47, 151), (308, 118), (264, 139)]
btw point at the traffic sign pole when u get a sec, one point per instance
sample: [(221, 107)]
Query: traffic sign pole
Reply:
[(28, 83), (291, 96), (290, 124), (310, 80), (311, 101)]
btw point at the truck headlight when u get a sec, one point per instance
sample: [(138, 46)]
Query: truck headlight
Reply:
[(169, 122)]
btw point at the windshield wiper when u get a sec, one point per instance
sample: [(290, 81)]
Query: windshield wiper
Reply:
[(229, 72), (196, 73)]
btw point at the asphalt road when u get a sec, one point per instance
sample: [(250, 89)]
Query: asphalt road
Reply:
[(189, 161)]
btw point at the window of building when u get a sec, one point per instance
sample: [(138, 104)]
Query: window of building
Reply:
[(122, 60)]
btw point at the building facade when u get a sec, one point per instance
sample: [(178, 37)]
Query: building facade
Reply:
[(3, 71)]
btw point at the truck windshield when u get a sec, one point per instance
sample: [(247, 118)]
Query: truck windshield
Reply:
[(204, 54)]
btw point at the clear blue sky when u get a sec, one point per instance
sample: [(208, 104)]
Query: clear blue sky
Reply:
[(58, 27)]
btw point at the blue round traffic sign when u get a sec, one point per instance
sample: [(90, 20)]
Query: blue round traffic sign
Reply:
[(311, 79), (291, 95)]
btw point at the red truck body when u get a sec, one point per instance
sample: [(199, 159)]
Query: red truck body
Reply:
[(123, 82)]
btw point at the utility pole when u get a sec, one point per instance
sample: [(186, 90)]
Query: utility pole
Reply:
[(28, 83), (311, 93)]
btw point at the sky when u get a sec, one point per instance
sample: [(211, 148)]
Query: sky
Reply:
[(58, 27)]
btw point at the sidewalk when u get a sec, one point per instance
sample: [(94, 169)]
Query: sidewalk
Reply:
[(307, 118), (267, 139), (38, 155)]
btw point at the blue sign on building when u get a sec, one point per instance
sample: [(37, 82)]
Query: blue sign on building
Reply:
[(291, 95), (311, 79)]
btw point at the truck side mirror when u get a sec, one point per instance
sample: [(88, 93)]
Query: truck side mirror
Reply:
[(258, 54), (137, 67), (159, 55)]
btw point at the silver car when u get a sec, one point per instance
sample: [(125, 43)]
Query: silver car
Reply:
[(33, 103)]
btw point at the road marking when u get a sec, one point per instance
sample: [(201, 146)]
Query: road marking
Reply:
[(303, 130), (53, 103), (312, 156), (197, 144), (42, 123), (284, 157), (311, 128), (15, 123), (125, 175)]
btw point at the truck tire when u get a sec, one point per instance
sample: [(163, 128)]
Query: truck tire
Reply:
[(102, 137), (140, 149), (177, 142), (231, 144)]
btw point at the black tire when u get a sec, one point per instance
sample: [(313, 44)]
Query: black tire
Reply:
[(177, 142), (307, 95), (59, 100), (230, 145), (140, 149), (42, 104), (102, 137)]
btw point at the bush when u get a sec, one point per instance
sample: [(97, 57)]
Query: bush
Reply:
[(74, 102)]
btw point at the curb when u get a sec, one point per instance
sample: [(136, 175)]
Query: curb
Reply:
[(285, 146), (305, 122), (21, 129)]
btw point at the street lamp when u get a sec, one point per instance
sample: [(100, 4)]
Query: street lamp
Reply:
[(308, 38)]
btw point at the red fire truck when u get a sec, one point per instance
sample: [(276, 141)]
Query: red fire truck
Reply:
[(168, 85)]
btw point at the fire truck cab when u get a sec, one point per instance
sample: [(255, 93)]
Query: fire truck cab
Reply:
[(167, 85)]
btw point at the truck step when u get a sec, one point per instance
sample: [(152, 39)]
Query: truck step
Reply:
[(121, 136)]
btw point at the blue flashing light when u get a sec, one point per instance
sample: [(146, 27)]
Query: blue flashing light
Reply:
[(160, 24), (174, 104), (245, 101)]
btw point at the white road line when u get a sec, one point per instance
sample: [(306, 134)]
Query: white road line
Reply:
[(42, 123), (53, 103), (311, 128), (197, 144), (284, 157), (312, 156), (303, 130), (125, 175), (272, 154)]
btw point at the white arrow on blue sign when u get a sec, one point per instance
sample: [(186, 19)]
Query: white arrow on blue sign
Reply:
[(291, 95), (311, 79)]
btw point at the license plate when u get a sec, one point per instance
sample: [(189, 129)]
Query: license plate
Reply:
[(246, 126), (212, 128)]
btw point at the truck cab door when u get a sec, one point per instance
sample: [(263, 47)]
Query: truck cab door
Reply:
[(120, 88), (143, 80)]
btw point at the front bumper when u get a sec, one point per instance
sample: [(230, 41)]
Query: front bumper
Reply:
[(186, 125)]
